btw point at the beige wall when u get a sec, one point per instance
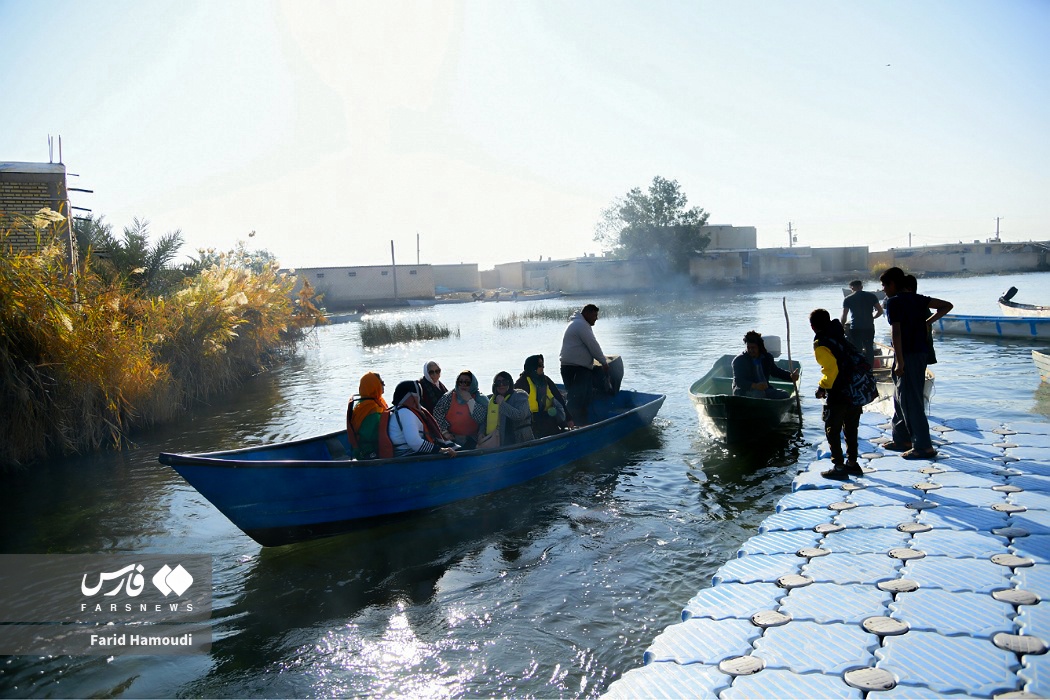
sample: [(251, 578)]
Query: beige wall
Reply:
[(578, 277), (975, 257), (458, 278), (783, 264), (724, 237), (710, 269), (345, 287), (842, 259)]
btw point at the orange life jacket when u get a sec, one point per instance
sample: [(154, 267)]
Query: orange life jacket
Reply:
[(431, 431), (351, 434)]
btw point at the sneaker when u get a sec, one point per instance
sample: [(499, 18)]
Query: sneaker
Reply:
[(920, 454), (853, 468), (836, 473)]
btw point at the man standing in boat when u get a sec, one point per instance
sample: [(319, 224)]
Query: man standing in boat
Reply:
[(908, 314), (865, 308), (579, 350), (753, 369)]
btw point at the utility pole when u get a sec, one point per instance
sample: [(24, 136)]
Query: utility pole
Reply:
[(909, 239), (791, 236), (997, 229), (393, 266), (417, 247)]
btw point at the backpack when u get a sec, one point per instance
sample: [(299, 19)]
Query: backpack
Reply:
[(858, 381)]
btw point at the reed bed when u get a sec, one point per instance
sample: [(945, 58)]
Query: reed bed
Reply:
[(539, 315), (86, 360), (532, 317), (375, 332)]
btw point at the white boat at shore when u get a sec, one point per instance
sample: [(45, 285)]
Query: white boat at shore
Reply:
[(1009, 307), (1041, 358), (994, 326)]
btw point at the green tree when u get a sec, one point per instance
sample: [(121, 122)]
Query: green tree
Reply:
[(655, 225), (131, 260)]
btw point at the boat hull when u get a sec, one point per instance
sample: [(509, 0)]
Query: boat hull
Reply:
[(994, 326), (742, 417), (1017, 310), (302, 490), (1041, 358)]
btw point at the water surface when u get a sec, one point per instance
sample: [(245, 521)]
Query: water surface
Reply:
[(553, 588)]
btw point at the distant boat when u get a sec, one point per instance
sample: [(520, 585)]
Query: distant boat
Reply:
[(1012, 308), (294, 491), (1031, 328), (1041, 358), (343, 318), (504, 295), (742, 417), (883, 371)]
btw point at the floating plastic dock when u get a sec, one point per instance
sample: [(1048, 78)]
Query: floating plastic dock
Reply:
[(921, 579)]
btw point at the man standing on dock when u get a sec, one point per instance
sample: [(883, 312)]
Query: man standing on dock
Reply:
[(579, 350), (865, 308), (908, 314)]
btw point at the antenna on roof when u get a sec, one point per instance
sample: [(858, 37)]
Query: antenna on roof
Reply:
[(50, 149)]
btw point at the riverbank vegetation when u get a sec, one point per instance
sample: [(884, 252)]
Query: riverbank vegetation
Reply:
[(375, 333), (129, 340)]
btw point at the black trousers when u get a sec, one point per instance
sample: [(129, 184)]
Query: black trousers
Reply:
[(578, 383), (839, 418)]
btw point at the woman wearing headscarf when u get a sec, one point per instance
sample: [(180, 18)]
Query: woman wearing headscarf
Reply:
[(431, 387), (363, 422), (508, 416), (461, 412), (412, 429), (549, 412)]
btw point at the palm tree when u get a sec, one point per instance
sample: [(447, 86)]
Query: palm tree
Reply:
[(130, 261)]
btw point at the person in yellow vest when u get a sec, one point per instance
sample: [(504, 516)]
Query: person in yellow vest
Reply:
[(550, 415), (461, 412), (508, 419)]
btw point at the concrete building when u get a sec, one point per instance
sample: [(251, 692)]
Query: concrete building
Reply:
[(716, 268), (725, 237), (346, 287), (531, 274), (25, 189), (457, 278), (976, 257), (593, 275)]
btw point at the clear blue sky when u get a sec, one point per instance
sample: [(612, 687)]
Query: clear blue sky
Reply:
[(500, 130)]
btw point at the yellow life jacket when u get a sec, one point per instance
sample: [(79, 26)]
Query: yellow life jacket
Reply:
[(492, 416), (534, 404)]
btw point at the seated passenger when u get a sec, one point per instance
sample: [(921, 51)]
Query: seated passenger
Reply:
[(508, 420), (460, 413), (431, 385), (753, 368), (364, 421), (549, 412), (411, 429)]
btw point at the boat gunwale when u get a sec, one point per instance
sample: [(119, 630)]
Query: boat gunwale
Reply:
[(228, 458)]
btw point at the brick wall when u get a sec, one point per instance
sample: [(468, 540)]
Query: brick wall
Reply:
[(25, 189)]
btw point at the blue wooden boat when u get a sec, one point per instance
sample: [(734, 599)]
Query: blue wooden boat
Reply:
[(300, 490), (1034, 328)]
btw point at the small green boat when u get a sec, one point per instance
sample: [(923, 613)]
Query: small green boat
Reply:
[(743, 417)]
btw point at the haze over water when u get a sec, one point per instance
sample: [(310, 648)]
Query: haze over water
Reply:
[(553, 588)]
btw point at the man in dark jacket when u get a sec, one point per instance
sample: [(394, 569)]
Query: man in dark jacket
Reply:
[(909, 316), (753, 369)]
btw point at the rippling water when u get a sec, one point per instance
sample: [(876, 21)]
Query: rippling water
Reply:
[(553, 588)]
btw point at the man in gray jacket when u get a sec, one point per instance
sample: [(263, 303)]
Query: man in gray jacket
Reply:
[(579, 349)]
